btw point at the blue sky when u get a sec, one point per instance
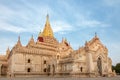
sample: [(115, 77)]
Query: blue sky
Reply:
[(76, 20)]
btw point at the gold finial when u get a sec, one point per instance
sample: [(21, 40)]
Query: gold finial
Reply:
[(47, 20), (47, 17)]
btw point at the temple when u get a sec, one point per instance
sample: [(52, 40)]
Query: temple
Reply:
[(48, 57)]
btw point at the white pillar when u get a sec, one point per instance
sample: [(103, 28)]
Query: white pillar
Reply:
[(90, 63)]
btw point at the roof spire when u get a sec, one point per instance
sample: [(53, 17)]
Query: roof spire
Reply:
[(47, 20), (19, 38), (64, 40), (47, 29), (95, 34), (85, 42), (7, 52), (31, 41), (47, 17), (8, 49), (40, 34), (18, 42)]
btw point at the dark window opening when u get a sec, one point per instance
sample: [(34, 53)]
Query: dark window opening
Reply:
[(44, 61), (81, 69), (57, 56), (28, 70), (28, 60), (45, 70)]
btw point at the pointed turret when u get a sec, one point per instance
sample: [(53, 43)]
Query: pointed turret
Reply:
[(18, 42), (86, 43), (64, 40), (40, 34), (86, 46), (8, 51), (31, 41), (47, 29), (95, 35)]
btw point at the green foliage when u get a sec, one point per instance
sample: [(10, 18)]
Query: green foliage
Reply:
[(116, 68), (113, 67)]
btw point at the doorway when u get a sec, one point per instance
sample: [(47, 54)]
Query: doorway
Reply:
[(99, 65)]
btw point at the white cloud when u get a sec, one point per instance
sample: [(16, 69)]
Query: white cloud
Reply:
[(85, 21), (92, 23), (8, 27), (5, 11), (30, 16), (59, 26), (82, 17), (5, 14), (62, 32), (29, 25)]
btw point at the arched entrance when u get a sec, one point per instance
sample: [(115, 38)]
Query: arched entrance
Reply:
[(99, 65)]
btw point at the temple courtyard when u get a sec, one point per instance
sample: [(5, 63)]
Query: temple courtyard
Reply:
[(59, 78)]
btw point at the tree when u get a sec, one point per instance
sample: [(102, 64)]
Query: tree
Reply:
[(117, 68), (113, 67)]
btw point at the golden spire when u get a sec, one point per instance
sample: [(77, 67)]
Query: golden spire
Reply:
[(47, 29)]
